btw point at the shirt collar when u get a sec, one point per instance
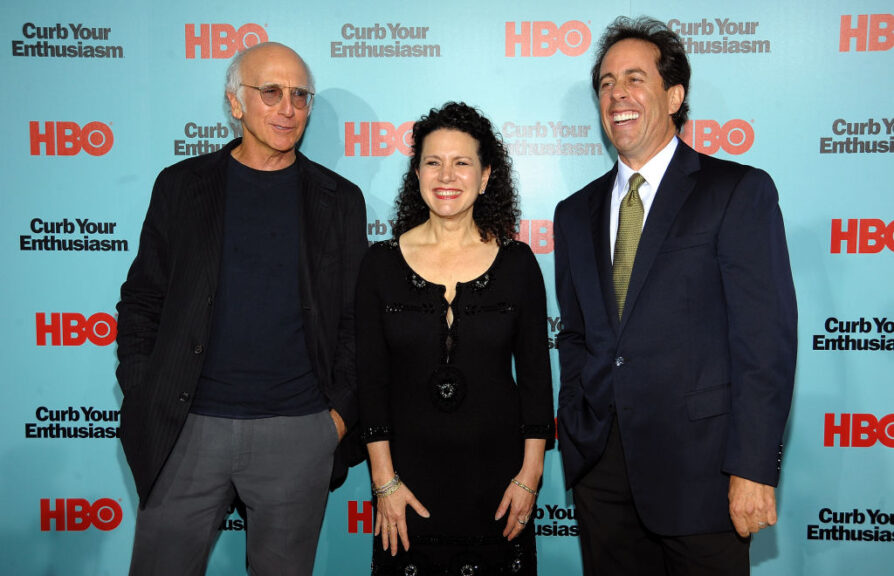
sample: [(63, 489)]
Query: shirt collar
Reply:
[(653, 170)]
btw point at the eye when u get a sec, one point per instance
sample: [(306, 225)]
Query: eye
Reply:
[(270, 91), (299, 92)]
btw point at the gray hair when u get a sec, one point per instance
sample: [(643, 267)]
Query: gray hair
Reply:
[(234, 72)]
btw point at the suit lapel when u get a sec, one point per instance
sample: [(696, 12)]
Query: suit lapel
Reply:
[(676, 185), (600, 213), (210, 198), (314, 222), (579, 235)]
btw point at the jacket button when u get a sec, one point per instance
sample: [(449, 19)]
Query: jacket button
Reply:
[(198, 349), (619, 361), (184, 397), (210, 300)]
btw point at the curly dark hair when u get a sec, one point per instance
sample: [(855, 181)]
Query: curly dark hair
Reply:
[(673, 65), (496, 212)]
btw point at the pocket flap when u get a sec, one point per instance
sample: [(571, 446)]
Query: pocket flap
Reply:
[(687, 241), (708, 402)]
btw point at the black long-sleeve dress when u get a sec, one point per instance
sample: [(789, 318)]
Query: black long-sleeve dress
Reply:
[(445, 398)]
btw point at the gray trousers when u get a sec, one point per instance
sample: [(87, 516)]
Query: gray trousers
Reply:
[(279, 467)]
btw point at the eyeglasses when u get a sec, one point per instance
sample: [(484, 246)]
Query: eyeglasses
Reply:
[(271, 94)]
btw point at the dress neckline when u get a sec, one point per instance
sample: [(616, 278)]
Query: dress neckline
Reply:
[(479, 281)]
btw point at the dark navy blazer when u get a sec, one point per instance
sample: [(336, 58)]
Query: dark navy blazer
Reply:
[(700, 370)]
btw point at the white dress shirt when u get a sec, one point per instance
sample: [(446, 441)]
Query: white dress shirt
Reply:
[(653, 171)]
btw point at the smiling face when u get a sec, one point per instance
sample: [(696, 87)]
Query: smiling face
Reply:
[(450, 174), (269, 133), (634, 105)]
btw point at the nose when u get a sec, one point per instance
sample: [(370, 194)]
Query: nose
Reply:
[(619, 91), (285, 106), (445, 174)]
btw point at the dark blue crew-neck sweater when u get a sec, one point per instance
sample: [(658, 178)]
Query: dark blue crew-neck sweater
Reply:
[(257, 363)]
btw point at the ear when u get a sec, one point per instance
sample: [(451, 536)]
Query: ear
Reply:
[(235, 106), (675, 96), (485, 176)]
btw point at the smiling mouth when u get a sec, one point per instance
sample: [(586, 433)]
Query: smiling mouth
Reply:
[(446, 193), (623, 117)]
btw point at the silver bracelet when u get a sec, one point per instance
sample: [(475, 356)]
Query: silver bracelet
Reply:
[(524, 487), (388, 488)]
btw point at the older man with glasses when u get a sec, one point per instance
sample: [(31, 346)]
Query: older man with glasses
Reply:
[(236, 336)]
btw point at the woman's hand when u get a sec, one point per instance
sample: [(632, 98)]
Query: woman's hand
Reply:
[(391, 517), (519, 502)]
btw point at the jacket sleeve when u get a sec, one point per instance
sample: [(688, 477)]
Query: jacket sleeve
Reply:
[(571, 340), (763, 318), (143, 292), (354, 246)]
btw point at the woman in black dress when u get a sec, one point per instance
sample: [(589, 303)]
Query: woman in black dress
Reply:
[(446, 311)]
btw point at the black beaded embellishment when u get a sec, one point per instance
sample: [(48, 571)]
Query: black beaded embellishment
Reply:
[(481, 282), (538, 430), (375, 433), (417, 281), (467, 562), (396, 307), (447, 388), (501, 307)]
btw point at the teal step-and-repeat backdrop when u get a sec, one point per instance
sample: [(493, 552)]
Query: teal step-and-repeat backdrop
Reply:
[(100, 96)]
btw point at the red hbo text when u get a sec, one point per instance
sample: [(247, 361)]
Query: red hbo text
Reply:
[(858, 430), (78, 514), (538, 234), (541, 39), (357, 517), (873, 32), (221, 40), (708, 136), (864, 236), (73, 329), (68, 139), (378, 138)]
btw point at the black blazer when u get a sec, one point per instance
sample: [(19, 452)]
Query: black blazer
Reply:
[(700, 371), (164, 316)]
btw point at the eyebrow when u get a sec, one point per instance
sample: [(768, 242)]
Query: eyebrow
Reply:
[(438, 156), (626, 72), (278, 85)]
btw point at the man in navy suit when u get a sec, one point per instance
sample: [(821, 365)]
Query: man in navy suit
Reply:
[(679, 340), (236, 335)]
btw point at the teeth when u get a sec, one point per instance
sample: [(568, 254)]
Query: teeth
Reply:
[(625, 116)]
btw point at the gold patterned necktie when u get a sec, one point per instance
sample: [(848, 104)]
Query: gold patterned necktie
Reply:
[(630, 226)]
